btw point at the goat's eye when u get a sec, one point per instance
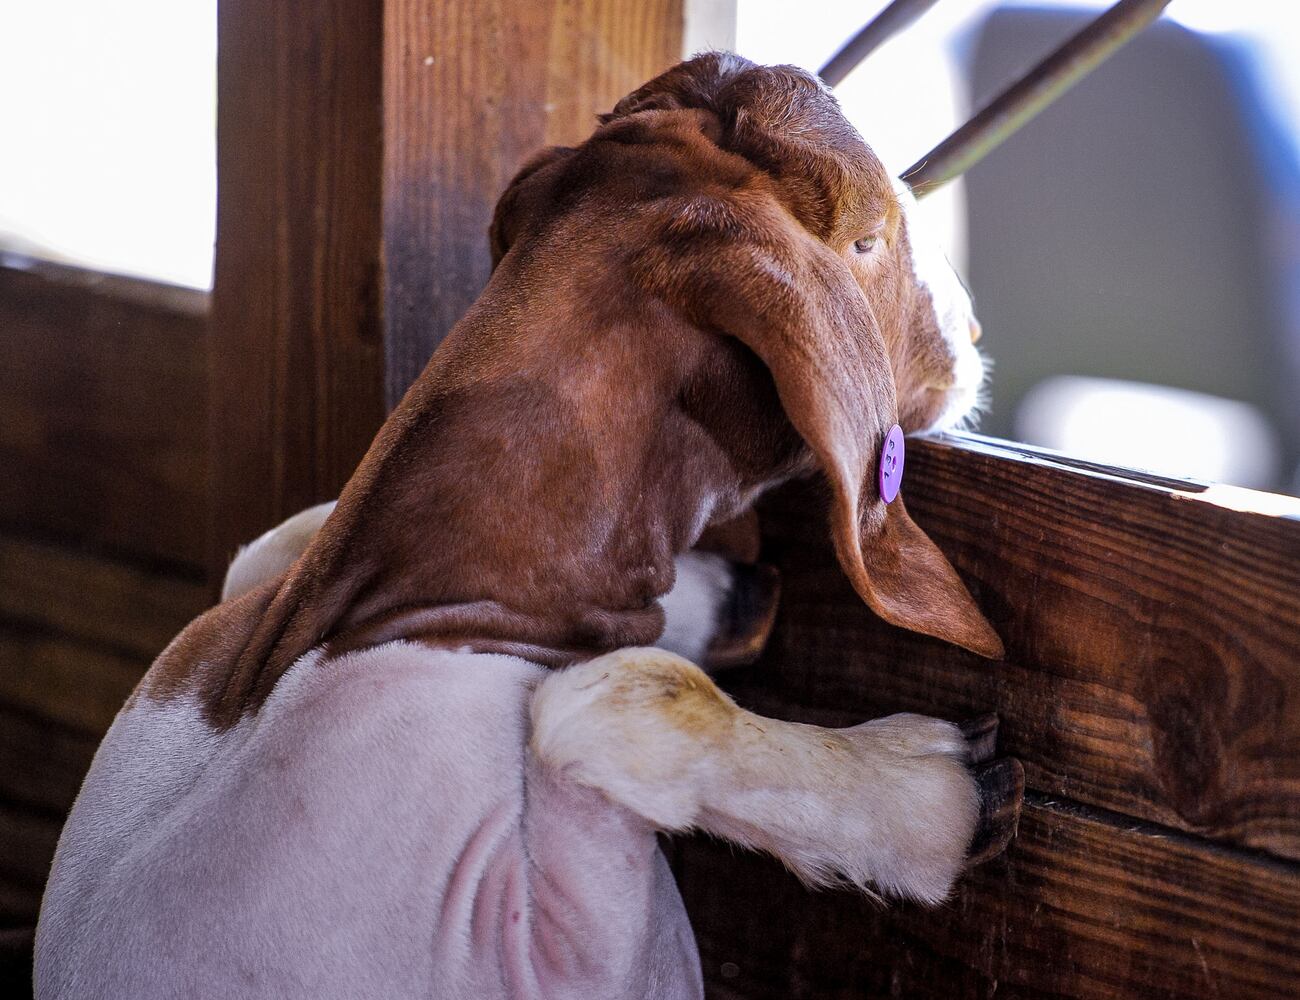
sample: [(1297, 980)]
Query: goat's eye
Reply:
[(866, 244)]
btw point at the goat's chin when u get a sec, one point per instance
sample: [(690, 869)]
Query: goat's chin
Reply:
[(960, 410), (962, 405)]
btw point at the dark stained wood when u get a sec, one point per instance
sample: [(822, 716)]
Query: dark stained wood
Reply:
[(41, 766), (1153, 663), (472, 89), (58, 695), (1080, 907), (102, 411), (1152, 691), (104, 512), (29, 836), (296, 340), (64, 682), (77, 631), (60, 687), (16, 945), (90, 598)]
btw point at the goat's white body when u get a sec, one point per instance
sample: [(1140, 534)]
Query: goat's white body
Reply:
[(379, 829), (410, 822), (372, 832)]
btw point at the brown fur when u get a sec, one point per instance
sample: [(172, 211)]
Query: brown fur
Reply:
[(676, 320)]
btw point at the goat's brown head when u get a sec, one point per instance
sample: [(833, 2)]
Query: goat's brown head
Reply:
[(740, 199), (717, 291)]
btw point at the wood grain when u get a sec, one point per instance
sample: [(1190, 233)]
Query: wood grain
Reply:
[(598, 51), (471, 91), (87, 597), (58, 695), (1079, 908), (77, 631), (104, 508), (296, 337), (1152, 690), (30, 837), (361, 147), (103, 433), (63, 682), (1153, 663), (41, 767)]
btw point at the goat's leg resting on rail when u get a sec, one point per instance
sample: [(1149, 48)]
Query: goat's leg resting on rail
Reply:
[(891, 804)]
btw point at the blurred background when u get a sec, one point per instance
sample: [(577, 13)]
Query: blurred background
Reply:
[(1134, 253)]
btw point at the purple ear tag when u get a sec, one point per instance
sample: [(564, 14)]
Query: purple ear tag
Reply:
[(891, 464)]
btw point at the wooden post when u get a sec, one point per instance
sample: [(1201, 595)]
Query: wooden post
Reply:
[(471, 89), (296, 343), (361, 147)]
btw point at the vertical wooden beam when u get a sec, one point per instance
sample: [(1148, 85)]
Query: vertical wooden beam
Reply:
[(471, 90), (361, 147), (296, 348)]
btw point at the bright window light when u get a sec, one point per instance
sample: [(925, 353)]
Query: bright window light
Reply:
[(908, 95), (1172, 432), (107, 122), (108, 114)]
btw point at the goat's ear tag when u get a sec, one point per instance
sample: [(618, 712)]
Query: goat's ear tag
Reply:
[(890, 475)]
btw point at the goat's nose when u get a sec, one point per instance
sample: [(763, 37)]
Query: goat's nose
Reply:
[(976, 331)]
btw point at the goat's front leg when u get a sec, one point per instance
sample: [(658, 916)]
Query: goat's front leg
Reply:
[(890, 804)]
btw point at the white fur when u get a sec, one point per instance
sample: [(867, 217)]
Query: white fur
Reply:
[(377, 829), (953, 309), (270, 554), (147, 763), (887, 803)]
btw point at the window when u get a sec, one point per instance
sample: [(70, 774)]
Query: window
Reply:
[(1127, 324), (108, 127)]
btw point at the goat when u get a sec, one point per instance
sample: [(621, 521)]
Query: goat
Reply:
[(428, 755)]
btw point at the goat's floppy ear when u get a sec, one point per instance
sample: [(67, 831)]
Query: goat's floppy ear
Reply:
[(526, 194), (750, 271)]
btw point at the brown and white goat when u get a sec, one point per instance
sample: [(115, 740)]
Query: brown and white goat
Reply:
[(429, 755)]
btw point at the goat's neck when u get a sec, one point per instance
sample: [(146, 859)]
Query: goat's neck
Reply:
[(553, 544)]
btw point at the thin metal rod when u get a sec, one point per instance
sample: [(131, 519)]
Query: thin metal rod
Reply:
[(880, 29), (1033, 92)]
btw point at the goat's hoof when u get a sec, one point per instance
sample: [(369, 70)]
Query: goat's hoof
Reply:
[(1002, 793), (1001, 788), (746, 620)]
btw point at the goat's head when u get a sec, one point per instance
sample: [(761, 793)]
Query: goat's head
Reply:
[(740, 198)]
